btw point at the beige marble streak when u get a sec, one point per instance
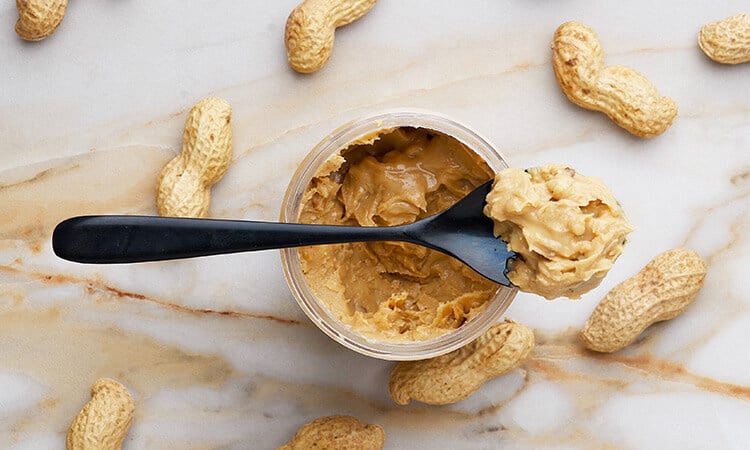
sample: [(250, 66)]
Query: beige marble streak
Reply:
[(116, 180), (79, 353)]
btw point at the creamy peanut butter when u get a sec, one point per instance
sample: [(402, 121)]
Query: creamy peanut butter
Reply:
[(389, 290), (567, 228)]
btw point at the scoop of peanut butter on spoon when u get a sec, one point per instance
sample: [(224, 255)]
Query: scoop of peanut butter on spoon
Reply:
[(547, 230), (568, 229)]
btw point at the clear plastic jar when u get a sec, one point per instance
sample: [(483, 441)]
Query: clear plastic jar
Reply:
[(314, 308)]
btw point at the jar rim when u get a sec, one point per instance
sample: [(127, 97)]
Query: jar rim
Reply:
[(331, 145)]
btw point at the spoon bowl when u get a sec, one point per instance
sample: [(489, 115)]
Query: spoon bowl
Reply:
[(461, 231)]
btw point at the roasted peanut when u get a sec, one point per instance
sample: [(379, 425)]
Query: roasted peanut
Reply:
[(337, 432), (38, 19), (662, 290), (104, 421), (311, 26), (456, 375), (620, 92), (185, 182), (727, 41)]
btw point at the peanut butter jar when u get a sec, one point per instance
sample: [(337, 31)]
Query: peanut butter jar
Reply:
[(390, 300)]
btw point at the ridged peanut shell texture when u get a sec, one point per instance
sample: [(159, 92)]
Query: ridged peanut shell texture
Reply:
[(311, 27), (456, 375), (727, 41), (624, 95), (184, 187), (662, 290), (104, 421), (337, 432), (38, 19)]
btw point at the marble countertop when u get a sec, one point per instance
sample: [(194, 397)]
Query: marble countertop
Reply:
[(215, 350)]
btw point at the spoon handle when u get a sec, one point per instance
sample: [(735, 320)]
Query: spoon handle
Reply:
[(127, 239)]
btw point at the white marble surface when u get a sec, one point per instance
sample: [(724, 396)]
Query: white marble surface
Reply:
[(216, 352)]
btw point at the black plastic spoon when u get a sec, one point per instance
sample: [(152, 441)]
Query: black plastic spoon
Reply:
[(462, 231)]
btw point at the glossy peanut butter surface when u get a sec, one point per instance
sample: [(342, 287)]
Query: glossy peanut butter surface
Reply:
[(388, 290)]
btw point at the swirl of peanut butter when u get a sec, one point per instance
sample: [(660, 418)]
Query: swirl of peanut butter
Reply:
[(394, 291)]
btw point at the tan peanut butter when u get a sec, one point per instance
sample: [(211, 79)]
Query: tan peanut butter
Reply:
[(388, 290), (567, 228)]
